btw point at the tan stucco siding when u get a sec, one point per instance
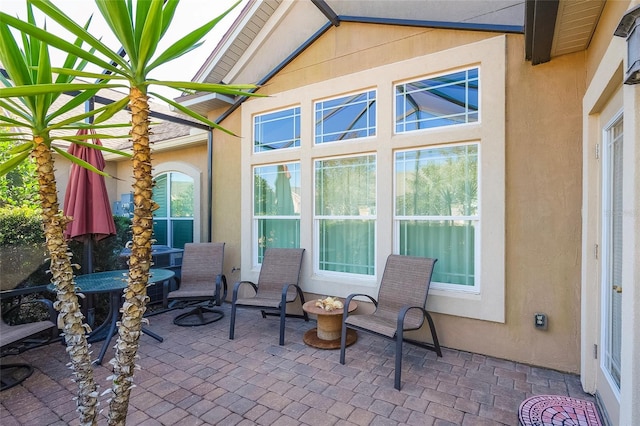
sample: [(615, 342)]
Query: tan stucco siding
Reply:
[(607, 24), (543, 182), (356, 47), (226, 193), (543, 218)]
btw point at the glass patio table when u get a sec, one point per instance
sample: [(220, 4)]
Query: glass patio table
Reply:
[(112, 282)]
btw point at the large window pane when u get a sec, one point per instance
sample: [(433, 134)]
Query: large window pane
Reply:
[(347, 246), (160, 191), (437, 182), (348, 117), (276, 130), (277, 233), (345, 214), (182, 233), (161, 232), (181, 195), (276, 207), (438, 101), (436, 209), (451, 242), (346, 186), (173, 220)]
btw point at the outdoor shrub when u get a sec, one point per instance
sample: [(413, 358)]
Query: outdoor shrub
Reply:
[(22, 249), (20, 225)]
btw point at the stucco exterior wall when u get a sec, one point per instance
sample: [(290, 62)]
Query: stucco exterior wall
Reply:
[(193, 157), (226, 193), (607, 24), (543, 183)]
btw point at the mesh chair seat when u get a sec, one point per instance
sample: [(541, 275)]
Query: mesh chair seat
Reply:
[(11, 335), (280, 272), (202, 281), (400, 307)]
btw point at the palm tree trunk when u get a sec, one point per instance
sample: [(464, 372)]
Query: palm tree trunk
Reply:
[(139, 262), (70, 319)]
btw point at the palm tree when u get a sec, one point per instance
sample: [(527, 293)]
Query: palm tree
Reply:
[(139, 28), (35, 119)]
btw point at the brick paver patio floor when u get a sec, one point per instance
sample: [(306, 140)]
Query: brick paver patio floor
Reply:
[(197, 376)]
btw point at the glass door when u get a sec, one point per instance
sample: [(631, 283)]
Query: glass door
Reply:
[(611, 283)]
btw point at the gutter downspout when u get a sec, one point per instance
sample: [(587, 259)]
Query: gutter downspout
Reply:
[(209, 183)]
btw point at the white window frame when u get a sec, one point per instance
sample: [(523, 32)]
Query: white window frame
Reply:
[(476, 219), (488, 303), (361, 92), (436, 75), (316, 227), (257, 218), (253, 132), (196, 175)]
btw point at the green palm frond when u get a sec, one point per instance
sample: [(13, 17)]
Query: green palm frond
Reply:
[(193, 114), (13, 162), (98, 147), (62, 44), (78, 161), (188, 42)]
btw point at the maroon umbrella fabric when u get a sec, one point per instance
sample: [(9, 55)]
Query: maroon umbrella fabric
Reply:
[(86, 198)]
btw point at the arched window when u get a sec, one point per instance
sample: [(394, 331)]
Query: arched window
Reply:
[(173, 221)]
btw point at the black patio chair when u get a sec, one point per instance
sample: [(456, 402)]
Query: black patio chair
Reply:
[(277, 287), (20, 337), (400, 307), (202, 282)]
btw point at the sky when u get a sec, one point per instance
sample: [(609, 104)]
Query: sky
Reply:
[(190, 14)]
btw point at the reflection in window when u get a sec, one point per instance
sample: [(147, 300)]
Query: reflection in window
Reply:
[(173, 220), (276, 130), (276, 206), (348, 117), (436, 209), (445, 100), (345, 214)]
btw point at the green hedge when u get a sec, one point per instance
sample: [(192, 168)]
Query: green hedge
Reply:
[(20, 226)]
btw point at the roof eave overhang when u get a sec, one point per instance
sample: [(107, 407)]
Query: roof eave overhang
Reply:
[(202, 103), (540, 24)]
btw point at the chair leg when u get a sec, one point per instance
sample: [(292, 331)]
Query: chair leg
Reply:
[(398, 367), (343, 342), (232, 323), (283, 315), (434, 335)]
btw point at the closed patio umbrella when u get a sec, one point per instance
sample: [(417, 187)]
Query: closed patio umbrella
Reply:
[(87, 202)]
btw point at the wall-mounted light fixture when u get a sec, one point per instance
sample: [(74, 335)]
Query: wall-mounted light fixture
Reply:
[(629, 28)]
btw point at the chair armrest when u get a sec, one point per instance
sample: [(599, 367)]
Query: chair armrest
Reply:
[(236, 287), (221, 287), (165, 290), (8, 294), (403, 313), (347, 301), (20, 293)]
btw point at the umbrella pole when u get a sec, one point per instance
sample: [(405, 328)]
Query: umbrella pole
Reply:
[(87, 268)]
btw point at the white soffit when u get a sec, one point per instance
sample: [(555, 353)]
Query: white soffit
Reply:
[(575, 25), (277, 39), (236, 41)]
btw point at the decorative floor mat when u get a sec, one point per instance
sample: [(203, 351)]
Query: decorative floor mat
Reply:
[(556, 410)]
